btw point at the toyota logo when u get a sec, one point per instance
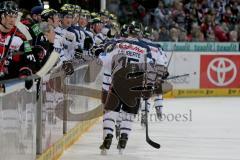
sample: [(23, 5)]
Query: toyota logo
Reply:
[(220, 67)]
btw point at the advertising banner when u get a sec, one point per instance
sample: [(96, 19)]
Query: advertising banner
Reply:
[(220, 71), (200, 46)]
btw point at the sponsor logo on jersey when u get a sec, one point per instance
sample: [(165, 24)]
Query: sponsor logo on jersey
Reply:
[(131, 47), (133, 54)]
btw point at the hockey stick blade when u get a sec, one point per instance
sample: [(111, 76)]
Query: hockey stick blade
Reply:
[(152, 143), (149, 141)]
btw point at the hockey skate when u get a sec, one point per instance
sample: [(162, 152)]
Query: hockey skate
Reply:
[(106, 144), (159, 112), (122, 142)]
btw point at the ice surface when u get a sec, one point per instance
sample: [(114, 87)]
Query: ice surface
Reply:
[(203, 129)]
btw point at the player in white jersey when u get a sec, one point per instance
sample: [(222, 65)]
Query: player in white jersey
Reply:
[(97, 25), (67, 32), (130, 52), (85, 37), (161, 60), (106, 82)]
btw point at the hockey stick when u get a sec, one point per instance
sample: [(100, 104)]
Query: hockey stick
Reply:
[(170, 59), (149, 141), (53, 58), (179, 76)]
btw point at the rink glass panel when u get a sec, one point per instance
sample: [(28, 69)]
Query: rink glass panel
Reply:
[(52, 126), (80, 87), (18, 123)]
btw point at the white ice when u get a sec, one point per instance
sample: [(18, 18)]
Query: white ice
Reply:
[(209, 130)]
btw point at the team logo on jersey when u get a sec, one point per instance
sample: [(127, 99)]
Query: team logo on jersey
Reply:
[(27, 47), (36, 30)]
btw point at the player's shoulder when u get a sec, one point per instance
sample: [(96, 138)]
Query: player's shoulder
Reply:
[(20, 35)]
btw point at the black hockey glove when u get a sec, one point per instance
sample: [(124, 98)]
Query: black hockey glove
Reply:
[(165, 75), (39, 53), (68, 67), (97, 50), (78, 53), (88, 43), (25, 72)]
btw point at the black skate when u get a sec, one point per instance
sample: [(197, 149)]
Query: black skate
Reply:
[(117, 131), (122, 142), (159, 112), (106, 144)]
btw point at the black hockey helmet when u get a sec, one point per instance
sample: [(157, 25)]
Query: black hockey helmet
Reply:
[(8, 7), (124, 31), (135, 28), (48, 13), (85, 14), (147, 31), (66, 9)]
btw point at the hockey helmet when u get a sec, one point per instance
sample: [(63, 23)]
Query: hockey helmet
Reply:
[(8, 7), (147, 31), (48, 13), (124, 31), (135, 28), (66, 9)]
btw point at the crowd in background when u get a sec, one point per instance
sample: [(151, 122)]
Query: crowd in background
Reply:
[(184, 20), (73, 31)]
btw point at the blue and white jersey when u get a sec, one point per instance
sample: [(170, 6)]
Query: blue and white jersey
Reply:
[(127, 51), (107, 79), (82, 34), (157, 52), (69, 42), (99, 38)]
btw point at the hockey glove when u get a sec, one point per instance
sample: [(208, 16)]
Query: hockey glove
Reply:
[(31, 58), (25, 72), (68, 67), (78, 53), (88, 43), (97, 50), (165, 75)]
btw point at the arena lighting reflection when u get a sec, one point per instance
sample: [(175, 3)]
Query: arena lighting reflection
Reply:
[(46, 4)]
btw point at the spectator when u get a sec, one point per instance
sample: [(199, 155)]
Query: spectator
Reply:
[(183, 36), (174, 34), (164, 34), (36, 13), (233, 36), (160, 15), (155, 35), (220, 33), (207, 15), (178, 14)]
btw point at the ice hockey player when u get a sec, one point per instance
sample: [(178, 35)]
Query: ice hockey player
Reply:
[(97, 25), (125, 53), (51, 16), (15, 50), (33, 25), (160, 59), (85, 37)]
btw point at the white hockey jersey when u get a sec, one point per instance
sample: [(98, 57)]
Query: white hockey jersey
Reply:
[(69, 42), (127, 51)]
